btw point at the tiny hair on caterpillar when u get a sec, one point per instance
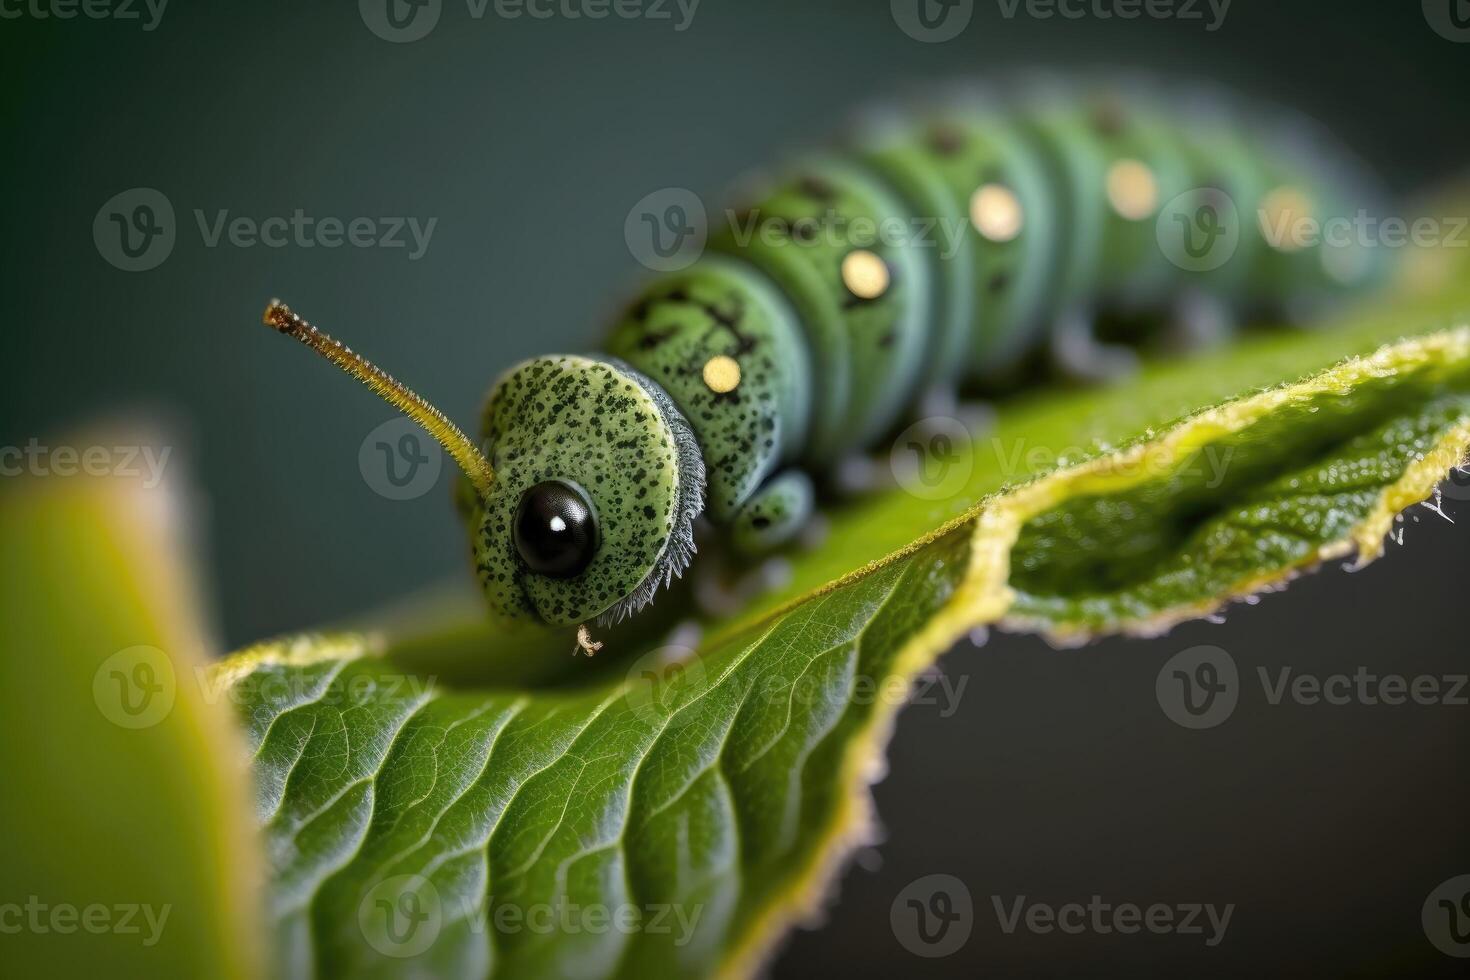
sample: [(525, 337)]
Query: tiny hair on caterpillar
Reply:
[(1088, 215)]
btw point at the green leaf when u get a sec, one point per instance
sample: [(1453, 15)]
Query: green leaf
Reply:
[(124, 837), (441, 795)]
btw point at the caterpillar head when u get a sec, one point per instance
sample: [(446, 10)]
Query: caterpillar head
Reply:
[(598, 479), (583, 503)]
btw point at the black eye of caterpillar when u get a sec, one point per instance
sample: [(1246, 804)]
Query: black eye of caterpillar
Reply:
[(555, 530)]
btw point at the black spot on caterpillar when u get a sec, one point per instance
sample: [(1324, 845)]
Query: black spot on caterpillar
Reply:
[(932, 249)]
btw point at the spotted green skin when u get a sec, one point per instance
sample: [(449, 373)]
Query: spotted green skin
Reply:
[(825, 373), (781, 510), (1303, 274), (1104, 255), (1074, 168), (583, 419), (867, 353), (899, 155), (718, 308), (1133, 268), (1226, 168), (991, 293)]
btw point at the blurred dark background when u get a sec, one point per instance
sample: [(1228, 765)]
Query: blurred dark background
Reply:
[(1056, 776)]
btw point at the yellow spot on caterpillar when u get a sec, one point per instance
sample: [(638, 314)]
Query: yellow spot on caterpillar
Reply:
[(1132, 189), (996, 212), (722, 374), (1286, 219), (864, 274)]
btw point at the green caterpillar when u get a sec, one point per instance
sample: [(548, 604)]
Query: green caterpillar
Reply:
[(802, 336)]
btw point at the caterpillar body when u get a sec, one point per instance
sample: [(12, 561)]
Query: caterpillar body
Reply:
[(803, 334)]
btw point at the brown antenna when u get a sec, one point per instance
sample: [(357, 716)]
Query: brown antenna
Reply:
[(449, 435)]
